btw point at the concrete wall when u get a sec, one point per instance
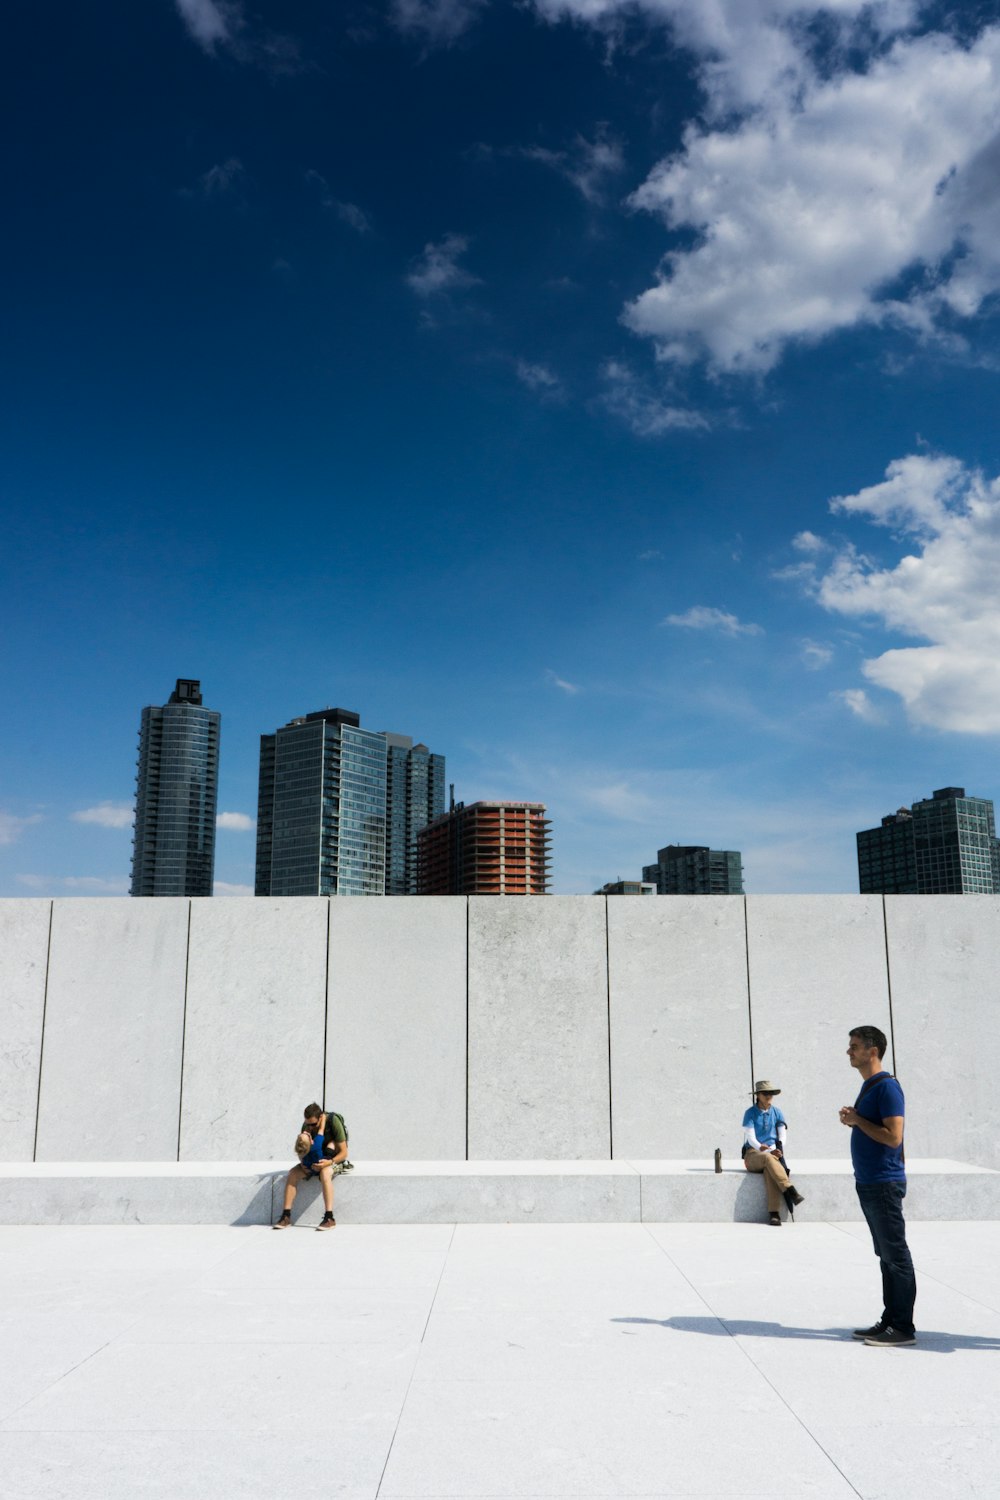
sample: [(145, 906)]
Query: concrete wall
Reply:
[(488, 1029)]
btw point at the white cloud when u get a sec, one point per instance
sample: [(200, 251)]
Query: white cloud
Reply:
[(842, 174), (106, 815), (590, 165), (647, 414), (816, 655), (348, 213), (353, 216), (236, 821), (650, 555), (437, 270), (745, 48), (807, 541), (861, 705), (221, 26), (80, 885), (12, 827), (223, 179), (210, 22), (570, 688), (225, 888), (707, 617), (538, 378), (436, 23), (95, 885), (622, 801), (811, 208), (942, 591)]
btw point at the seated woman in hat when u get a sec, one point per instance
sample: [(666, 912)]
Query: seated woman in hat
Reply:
[(764, 1128)]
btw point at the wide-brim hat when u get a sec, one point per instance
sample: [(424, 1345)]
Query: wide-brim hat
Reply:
[(765, 1086)]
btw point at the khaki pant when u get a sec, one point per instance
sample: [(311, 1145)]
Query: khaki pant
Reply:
[(776, 1178)]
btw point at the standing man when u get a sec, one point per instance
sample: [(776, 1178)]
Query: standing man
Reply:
[(764, 1128), (876, 1122)]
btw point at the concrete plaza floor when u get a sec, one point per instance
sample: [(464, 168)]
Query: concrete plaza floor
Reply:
[(681, 1360)]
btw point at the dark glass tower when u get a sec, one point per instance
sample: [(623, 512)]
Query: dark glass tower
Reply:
[(944, 845), (177, 787), (414, 794), (321, 808), (339, 808), (695, 870)]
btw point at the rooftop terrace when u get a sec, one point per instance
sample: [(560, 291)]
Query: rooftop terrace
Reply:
[(602, 1360)]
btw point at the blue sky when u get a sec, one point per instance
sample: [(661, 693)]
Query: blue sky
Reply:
[(602, 393)]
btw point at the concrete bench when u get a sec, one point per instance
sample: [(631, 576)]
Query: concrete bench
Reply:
[(466, 1192)]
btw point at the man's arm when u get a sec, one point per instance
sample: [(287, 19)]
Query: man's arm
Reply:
[(889, 1133), (334, 1151)]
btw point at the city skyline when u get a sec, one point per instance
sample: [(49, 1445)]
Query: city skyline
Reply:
[(606, 390)]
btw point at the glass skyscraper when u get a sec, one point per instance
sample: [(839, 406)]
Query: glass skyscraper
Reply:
[(944, 845), (414, 797), (339, 808), (177, 786)]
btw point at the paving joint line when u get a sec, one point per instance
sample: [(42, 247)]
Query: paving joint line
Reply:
[(928, 1275), (749, 1358), (416, 1362)]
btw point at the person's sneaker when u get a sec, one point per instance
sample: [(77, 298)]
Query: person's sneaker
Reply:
[(283, 1223), (891, 1338), (869, 1333), (327, 1222), (793, 1197)]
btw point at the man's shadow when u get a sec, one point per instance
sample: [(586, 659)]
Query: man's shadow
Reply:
[(930, 1341)]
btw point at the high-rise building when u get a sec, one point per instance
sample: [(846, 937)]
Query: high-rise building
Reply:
[(339, 807), (696, 870), (627, 888), (945, 844), (414, 795), (321, 808), (177, 785), (485, 849), (887, 859)]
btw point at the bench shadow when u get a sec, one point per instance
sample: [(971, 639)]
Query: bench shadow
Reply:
[(930, 1341)]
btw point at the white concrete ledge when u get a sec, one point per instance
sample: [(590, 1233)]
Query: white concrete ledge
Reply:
[(467, 1192)]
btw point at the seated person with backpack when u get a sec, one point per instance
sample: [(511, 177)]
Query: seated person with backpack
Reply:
[(322, 1149)]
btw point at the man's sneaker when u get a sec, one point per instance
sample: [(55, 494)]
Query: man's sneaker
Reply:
[(283, 1223), (891, 1338), (793, 1197), (327, 1222), (869, 1333)]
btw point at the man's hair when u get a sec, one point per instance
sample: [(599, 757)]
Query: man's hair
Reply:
[(870, 1036), (316, 1109)]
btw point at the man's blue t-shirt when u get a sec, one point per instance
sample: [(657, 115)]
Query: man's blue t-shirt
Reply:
[(881, 1098), (764, 1123)]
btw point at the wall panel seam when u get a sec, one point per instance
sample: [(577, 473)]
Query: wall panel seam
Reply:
[(467, 1031), (326, 994), (187, 965), (746, 942), (41, 1042), (888, 981), (607, 975)]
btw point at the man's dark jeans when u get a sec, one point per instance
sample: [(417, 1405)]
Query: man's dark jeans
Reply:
[(882, 1206)]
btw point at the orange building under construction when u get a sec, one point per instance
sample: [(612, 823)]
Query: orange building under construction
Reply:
[(485, 849)]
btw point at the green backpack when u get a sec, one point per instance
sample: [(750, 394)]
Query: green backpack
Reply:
[(334, 1114)]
